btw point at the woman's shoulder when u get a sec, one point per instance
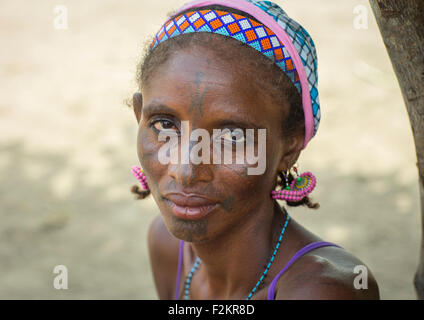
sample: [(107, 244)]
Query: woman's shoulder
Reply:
[(163, 252), (327, 272)]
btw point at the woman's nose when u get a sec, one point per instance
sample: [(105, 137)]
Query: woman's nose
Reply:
[(190, 174), (190, 167)]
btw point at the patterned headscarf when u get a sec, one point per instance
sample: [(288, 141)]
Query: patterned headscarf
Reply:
[(277, 36)]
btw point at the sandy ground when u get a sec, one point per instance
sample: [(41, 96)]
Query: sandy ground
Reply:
[(67, 144)]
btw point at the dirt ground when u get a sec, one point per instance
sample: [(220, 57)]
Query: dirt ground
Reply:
[(68, 142)]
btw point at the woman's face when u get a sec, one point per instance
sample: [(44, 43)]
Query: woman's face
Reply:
[(200, 201)]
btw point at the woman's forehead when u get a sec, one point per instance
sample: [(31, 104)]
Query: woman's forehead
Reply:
[(195, 65), (196, 80)]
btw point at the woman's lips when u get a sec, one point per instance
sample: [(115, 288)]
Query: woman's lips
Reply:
[(190, 207)]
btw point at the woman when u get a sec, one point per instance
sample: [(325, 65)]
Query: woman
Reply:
[(234, 66)]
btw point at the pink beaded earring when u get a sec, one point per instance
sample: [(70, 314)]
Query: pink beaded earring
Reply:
[(300, 187), (138, 173)]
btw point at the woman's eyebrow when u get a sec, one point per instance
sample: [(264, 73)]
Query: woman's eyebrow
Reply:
[(153, 108), (242, 124)]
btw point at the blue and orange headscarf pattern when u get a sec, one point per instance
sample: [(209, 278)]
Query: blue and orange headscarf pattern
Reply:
[(276, 36)]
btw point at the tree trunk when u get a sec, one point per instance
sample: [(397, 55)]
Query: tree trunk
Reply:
[(401, 24)]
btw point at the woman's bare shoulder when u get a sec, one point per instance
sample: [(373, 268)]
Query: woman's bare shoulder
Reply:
[(163, 252), (328, 273)]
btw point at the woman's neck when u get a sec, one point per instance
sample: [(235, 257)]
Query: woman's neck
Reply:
[(233, 262)]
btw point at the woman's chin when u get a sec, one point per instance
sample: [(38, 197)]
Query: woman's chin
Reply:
[(189, 230)]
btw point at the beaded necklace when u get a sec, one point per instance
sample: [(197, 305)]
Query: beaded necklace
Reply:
[(261, 279)]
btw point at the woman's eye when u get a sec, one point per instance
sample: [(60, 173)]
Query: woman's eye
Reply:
[(164, 125), (233, 135)]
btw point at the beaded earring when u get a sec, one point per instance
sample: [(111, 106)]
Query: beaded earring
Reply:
[(139, 174), (300, 187)]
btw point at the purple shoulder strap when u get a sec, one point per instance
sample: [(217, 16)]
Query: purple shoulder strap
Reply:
[(180, 263), (271, 290), (301, 252)]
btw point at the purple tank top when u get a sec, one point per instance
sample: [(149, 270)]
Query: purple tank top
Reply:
[(271, 290)]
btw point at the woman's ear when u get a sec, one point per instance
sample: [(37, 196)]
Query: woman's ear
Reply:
[(293, 147), (137, 105)]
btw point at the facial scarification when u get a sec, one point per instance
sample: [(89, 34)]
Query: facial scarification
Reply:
[(198, 95)]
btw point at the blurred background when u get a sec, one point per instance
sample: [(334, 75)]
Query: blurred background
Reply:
[(68, 141)]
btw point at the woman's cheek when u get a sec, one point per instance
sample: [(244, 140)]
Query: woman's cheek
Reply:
[(238, 182), (147, 150)]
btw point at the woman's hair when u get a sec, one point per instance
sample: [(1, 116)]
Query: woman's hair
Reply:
[(272, 79)]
